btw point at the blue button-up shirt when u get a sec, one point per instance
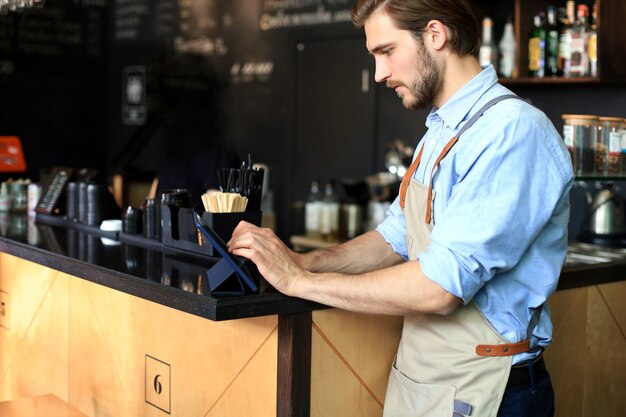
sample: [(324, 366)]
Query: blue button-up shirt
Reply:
[(501, 208)]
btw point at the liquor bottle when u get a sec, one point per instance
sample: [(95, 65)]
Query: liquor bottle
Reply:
[(579, 66), (565, 40), (312, 210), (552, 43), (592, 45), (561, 22), (507, 50), (487, 54), (537, 47), (329, 219)]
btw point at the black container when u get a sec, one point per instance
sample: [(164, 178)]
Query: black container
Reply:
[(71, 201), (222, 223), (150, 224), (132, 220), (176, 199), (82, 202), (96, 194)]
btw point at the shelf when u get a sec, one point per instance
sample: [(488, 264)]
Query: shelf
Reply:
[(605, 178), (551, 80)]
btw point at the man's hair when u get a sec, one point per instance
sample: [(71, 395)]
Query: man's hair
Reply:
[(414, 15)]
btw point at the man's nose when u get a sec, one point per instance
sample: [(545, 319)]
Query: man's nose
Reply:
[(382, 71)]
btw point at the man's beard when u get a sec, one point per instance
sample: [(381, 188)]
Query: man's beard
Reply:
[(425, 85)]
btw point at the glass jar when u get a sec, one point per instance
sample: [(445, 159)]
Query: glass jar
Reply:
[(609, 145), (19, 197), (579, 134)]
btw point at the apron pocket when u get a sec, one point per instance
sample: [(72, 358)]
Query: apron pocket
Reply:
[(407, 398)]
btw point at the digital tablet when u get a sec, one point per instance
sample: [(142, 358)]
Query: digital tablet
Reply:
[(235, 262)]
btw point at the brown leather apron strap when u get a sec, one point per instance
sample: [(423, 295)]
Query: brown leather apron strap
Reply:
[(407, 177), (510, 349), (429, 203), (505, 349)]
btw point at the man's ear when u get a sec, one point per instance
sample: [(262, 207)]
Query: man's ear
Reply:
[(436, 34)]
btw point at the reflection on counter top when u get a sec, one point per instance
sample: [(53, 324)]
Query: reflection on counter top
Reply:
[(160, 275), (588, 254)]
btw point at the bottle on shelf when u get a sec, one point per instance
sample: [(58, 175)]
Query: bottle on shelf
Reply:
[(5, 199), (592, 43), (537, 47), (506, 49), (329, 219), (487, 54), (561, 22), (565, 40), (552, 42), (579, 66), (313, 209)]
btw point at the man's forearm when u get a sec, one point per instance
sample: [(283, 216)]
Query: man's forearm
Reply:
[(400, 289), (364, 253)]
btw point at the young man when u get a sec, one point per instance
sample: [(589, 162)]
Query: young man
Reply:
[(472, 247)]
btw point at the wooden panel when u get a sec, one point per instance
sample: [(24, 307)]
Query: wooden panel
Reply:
[(587, 360), (36, 343), (113, 332), (351, 351), (564, 358), (605, 365), (87, 344), (39, 406), (335, 390)]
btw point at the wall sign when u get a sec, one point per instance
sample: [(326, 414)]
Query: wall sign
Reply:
[(134, 109)]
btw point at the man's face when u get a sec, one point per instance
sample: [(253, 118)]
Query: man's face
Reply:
[(402, 61)]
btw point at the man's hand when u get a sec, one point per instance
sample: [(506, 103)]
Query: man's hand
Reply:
[(278, 264)]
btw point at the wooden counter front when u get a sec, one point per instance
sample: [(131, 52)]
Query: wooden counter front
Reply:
[(94, 348)]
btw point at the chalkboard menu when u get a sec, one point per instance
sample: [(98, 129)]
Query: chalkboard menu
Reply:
[(59, 31), (297, 13)]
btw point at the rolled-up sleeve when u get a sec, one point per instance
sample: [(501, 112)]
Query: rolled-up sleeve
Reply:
[(393, 229)]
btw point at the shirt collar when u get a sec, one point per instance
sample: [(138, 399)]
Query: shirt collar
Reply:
[(454, 111)]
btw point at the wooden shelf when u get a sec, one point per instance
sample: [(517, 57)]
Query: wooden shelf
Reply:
[(551, 80)]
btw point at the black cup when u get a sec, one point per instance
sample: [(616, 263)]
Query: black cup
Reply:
[(150, 222), (95, 204), (132, 219), (71, 201)]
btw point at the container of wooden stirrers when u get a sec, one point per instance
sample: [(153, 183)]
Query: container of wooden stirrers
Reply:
[(224, 211), (219, 202)]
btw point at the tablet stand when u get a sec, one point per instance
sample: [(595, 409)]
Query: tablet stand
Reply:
[(228, 266)]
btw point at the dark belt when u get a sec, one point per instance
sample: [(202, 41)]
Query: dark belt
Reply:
[(520, 374)]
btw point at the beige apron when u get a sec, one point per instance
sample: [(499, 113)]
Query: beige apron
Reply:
[(455, 365)]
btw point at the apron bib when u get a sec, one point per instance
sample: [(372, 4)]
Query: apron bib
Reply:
[(455, 365)]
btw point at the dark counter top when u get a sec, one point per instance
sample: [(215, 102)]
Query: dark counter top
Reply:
[(180, 282), (161, 276)]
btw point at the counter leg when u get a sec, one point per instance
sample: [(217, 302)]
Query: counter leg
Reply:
[(294, 365)]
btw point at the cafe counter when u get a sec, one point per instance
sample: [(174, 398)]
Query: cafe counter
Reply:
[(119, 329)]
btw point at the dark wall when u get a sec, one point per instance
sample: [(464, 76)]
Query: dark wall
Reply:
[(52, 84)]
